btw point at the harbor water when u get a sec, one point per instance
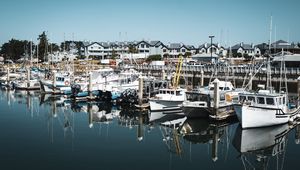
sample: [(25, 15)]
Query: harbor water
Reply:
[(49, 132)]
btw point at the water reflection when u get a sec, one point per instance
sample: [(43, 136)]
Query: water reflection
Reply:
[(204, 131), (171, 139), (263, 148)]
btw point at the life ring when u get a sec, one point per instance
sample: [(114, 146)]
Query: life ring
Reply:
[(67, 83)]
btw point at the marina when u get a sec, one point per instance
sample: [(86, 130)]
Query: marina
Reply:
[(57, 135), (166, 85)]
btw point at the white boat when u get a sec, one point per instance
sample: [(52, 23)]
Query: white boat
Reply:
[(200, 102), (264, 108), (108, 81), (167, 101), (61, 85), (26, 85)]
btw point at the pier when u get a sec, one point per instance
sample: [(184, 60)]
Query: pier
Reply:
[(239, 75)]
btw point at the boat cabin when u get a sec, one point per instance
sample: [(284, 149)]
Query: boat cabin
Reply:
[(275, 100), (177, 92)]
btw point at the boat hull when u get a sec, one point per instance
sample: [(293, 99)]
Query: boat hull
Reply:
[(251, 117)]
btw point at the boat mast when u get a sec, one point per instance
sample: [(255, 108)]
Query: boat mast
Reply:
[(269, 81)]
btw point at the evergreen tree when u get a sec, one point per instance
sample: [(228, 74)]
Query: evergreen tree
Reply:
[(43, 47)]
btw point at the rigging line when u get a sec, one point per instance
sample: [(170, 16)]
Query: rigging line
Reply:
[(253, 76)]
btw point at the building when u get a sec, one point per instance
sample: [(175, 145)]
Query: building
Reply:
[(242, 49)]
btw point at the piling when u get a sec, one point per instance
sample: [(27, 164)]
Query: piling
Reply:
[(298, 85), (90, 85), (297, 134), (140, 128), (89, 110), (163, 75), (28, 77), (216, 94), (54, 81), (214, 148), (140, 90), (7, 78), (202, 78)]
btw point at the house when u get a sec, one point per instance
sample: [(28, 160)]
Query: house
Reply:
[(216, 49), (243, 49)]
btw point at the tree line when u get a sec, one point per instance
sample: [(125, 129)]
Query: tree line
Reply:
[(16, 49)]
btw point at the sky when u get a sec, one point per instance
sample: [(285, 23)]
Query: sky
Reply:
[(182, 21)]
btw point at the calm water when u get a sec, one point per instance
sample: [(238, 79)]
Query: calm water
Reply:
[(49, 133)]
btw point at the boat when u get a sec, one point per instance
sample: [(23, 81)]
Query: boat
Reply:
[(257, 146), (200, 101), (61, 84), (106, 82), (169, 100), (266, 107)]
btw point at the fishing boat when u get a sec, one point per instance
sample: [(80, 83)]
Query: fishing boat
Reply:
[(169, 100), (266, 107), (59, 83), (200, 101)]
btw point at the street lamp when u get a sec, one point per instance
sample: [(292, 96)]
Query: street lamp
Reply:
[(211, 37)]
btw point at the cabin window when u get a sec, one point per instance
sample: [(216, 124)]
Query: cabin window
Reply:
[(251, 98), (261, 100), (172, 92), (177, 93), (242, 98), (163, 92), (278, 100), (270, 101), (168, 92), (226, 88)]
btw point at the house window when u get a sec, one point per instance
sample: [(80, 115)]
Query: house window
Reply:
[(142, 45), (261, 100), (164, 50), (183, 50)]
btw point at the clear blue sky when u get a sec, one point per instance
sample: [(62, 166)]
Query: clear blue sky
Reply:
[(186, 21)]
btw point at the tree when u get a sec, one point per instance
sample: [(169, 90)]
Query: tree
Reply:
[(43, 46), (132, 49), (187, 54), (156, 57), (114, 54), (15, 49), (239, 55), (247, 57)]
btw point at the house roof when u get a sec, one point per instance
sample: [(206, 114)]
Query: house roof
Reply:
[(243, 46), (174, 46)]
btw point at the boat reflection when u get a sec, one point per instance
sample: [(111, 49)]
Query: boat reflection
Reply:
[(202, 131), (262, 148), (131, 118)]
